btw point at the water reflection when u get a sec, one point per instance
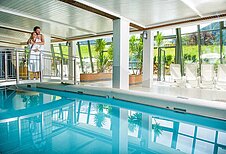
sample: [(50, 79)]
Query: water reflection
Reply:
[(16, 99), (86, 127)]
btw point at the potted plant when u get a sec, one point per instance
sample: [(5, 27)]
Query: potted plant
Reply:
[(23, 69), (136, 53), (103, 62)]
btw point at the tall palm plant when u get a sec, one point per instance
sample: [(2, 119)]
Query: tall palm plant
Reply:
[(110, 56), (135, 122), (100, 117), (110, 52), (102, 60), (140, 55), (157, 129), (132, 49), (159, 39), (132, 44), (136, 51)]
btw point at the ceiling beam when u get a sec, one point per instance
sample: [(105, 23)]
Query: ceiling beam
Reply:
[(100, 11), (89, 36), (15, 29), (136, 26), (11, 37), (149, 28), (14, 43), (105, 34), (27, 32), (223, 15)]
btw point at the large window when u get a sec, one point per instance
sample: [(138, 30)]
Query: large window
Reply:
[(190, 44), (210, 47), (101, 52), (200, 45), (85, 56)]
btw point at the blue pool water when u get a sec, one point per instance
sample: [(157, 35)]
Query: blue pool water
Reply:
[(46, 121)]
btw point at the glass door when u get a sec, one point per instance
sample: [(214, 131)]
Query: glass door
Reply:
[(166, 56)]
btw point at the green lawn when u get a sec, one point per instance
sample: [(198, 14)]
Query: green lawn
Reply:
[(191, 50), (85, 51)]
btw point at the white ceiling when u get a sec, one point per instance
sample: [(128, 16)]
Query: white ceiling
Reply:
[(62, 20), (155, 12), (54, 17)]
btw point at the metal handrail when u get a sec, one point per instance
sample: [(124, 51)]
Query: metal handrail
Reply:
[(44, 55), (43, 51)]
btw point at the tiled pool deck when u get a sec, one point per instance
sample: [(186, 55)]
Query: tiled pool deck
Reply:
[(161, 88)]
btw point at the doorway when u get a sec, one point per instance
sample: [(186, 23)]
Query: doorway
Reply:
[(166, 56)]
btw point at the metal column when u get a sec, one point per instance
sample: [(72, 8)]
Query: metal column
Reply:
[(61, 63), (221, 41), (80, 57), (17, 68), (61, 51), (6, 66), (75, 79), (159, 64), (179, 50), (62, 70), (54, 58), (41, 64), (90, 56), (199, 49)]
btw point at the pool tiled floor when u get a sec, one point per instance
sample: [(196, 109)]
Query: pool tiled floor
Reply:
[(164, 88)]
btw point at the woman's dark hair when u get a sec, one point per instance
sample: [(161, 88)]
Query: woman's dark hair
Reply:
[(36, 27), (32, 35)]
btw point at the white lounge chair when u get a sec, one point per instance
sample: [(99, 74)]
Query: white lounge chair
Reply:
[(191, 75), (207, 76), (221, 77), (175, 73)]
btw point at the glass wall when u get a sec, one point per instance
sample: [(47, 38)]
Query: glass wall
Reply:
[(224, 44), (164, 52), (100, 52), (200, 45), (189, 37), (210, 43), (85, 56)]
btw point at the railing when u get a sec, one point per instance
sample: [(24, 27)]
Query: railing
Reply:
[(15, 64), (6, 65)]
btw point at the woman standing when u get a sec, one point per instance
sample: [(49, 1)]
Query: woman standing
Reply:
[(34, 60), (36, 44)]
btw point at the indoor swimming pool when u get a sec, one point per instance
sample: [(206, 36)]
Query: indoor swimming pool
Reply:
[(50, 121)]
